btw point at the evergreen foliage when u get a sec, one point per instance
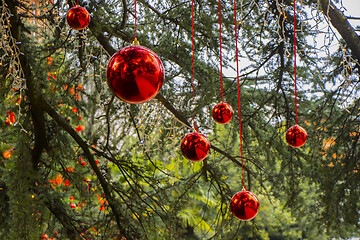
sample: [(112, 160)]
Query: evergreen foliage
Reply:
[(77, 163)]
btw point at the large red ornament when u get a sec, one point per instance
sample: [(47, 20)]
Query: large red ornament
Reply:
[(78, 17), (244, 205), (222, 112), (135, 74), (195, 147), (296, 136)]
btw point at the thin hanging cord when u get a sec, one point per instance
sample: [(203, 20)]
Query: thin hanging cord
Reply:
[(295, 62), (193, 59), (221, 75), (77, 2), (238, 85), (135, 20), (134, 40)]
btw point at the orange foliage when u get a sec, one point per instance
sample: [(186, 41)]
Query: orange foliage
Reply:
[(74, 110), (80, 128), (328, 143), (49, 60), (7, 153), (72, 90), (44, 236), (58, 180), (69, 169)]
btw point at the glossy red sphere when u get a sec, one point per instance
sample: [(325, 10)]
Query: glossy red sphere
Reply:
[(244, 205), (296, 136), (78, 17), (135, 74), (195, 146), (222, 113)]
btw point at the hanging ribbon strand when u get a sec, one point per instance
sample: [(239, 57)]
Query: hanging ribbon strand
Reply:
[(296, 118), (134, 41), (239, 103), (222, 112), (244, 204), (296, 136), (193, 59), (194, 146), (221, 74)]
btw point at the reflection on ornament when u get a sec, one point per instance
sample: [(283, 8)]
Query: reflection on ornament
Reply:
[(78, 17), (244, 205), (296, 136), (135, 74), (222, 112), (195, 147)]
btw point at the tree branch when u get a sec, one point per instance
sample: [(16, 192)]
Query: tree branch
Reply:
[(340, 22), (104, 184)]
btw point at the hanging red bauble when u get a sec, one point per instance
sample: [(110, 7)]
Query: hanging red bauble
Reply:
[(222, 112), (78, 17), (195, 147), (135, 74), (296, 136), (244, 205)]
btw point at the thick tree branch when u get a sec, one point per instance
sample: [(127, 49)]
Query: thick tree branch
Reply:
[(104, 184), (36, 112), (340, 22)]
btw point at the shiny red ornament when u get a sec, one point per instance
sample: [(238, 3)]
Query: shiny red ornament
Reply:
[(296, 136), (195, 147), (222, 113), (244, 205), (78, 17), (135, 74)]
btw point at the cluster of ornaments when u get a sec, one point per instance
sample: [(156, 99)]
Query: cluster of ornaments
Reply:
[(135, 75)]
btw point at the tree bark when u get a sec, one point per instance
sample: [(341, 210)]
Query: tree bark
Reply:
[(340, 22)]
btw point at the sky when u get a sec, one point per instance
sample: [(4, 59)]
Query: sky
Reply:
[(352, 8)]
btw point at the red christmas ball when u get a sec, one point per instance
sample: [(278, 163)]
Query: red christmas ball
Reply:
[(222, 112), (296, 136), (244, 205), (78, 17), (135, 74), (195, 147)]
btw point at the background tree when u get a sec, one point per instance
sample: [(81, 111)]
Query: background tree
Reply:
[(80, 164)]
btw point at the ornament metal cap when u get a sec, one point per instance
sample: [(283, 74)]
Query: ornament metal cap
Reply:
[(135, 42)]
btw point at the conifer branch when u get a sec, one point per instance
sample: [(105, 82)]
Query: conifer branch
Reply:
[(342, 25)]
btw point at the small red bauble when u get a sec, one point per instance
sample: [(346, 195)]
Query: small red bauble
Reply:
[(222, 112), (244, 205), (78, 17), (195, 147), (296, 136), (135, 74)]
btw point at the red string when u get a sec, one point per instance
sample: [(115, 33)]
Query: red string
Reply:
[(193, 59), (238, 85), (221, 75), (77, 2), (135, 20), (295, 62)]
